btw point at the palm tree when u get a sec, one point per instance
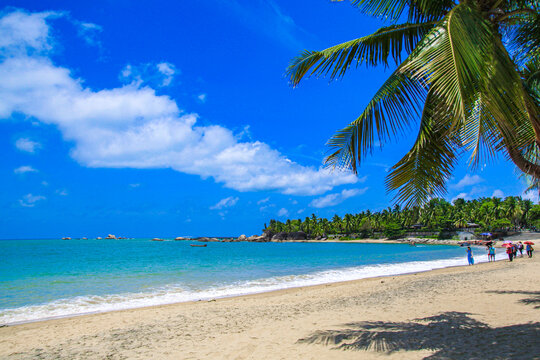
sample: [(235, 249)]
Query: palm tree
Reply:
[(471, 79), (348, 221)]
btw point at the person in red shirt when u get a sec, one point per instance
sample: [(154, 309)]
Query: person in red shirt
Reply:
[(510, 252)]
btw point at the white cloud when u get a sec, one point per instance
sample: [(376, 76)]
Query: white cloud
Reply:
[(468, 181), (62, 192), (134, 185), (24, 34), (225, 203), (202, 97), (131, 126), (262, 201), (89, 32), (462, 195), (168, 70), (158, 75), (498, 193), (531, 195), (24, 169), (283, 212), (30, 200), (336, 198), (27, 145)]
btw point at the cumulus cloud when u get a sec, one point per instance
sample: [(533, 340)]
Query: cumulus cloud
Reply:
[(498, 193), (24, 169), (531, 195), (336, 198), (158, 75), (27, 145), (474, 192), (225, 203), (462, 195), (202, 97), (25, 34), (283, 212), (168, 70), (30, 200), (132, 126), (468, 181)]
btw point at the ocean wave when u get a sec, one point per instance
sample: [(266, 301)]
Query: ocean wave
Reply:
[(176, 293)]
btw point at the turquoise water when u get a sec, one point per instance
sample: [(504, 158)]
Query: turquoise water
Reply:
[(47, 278)]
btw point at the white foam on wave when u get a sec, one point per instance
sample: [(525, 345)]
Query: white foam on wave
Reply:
[(178, 293)]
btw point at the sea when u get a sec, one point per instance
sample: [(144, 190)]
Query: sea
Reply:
[(49, 278)]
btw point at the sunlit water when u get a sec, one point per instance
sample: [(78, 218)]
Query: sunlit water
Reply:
[(48, 278)]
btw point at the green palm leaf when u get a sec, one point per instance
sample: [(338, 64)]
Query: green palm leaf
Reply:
[(417, 10), (389, 112), (468, 67), (422, 173), (371, 50), (478, 63)]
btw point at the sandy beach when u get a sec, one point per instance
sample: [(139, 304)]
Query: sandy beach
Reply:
[(488, 311)]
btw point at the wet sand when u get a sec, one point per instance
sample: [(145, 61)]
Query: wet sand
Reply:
[(486, 311)]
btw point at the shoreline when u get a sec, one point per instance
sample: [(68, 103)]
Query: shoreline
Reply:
[(256, 293), (466, 305)]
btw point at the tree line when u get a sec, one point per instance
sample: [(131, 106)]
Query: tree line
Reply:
[(438, 217)]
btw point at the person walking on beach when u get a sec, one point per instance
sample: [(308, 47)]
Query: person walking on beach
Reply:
[(470, 256), (529, 250), (491, 253), (520, 248), (510, 252)]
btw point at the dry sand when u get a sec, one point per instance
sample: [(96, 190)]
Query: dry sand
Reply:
[(486, 311)]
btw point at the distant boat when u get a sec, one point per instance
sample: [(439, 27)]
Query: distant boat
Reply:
[(157, 239), (66, 238), (196, 245)]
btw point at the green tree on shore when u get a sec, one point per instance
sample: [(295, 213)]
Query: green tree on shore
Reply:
[(471, 81), (438, 216)]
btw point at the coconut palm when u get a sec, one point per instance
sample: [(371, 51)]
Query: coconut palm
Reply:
[(470, 82)]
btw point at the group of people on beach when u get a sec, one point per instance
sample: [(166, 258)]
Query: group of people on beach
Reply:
[(511, 251)]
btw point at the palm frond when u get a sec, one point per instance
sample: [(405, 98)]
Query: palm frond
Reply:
[(395, 105), (526, 40), (392, 10), (371, 50), (422, 173), (467, 60)]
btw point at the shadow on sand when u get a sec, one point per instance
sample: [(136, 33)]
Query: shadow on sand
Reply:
[(534, 298), (451, 335)]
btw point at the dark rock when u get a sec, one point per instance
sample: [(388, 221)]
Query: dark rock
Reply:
[(280, 236), (297, 235)]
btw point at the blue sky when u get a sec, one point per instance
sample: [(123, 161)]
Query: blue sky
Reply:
[(170, 118)]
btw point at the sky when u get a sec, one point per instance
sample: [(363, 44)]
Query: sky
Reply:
[(175, 118)]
